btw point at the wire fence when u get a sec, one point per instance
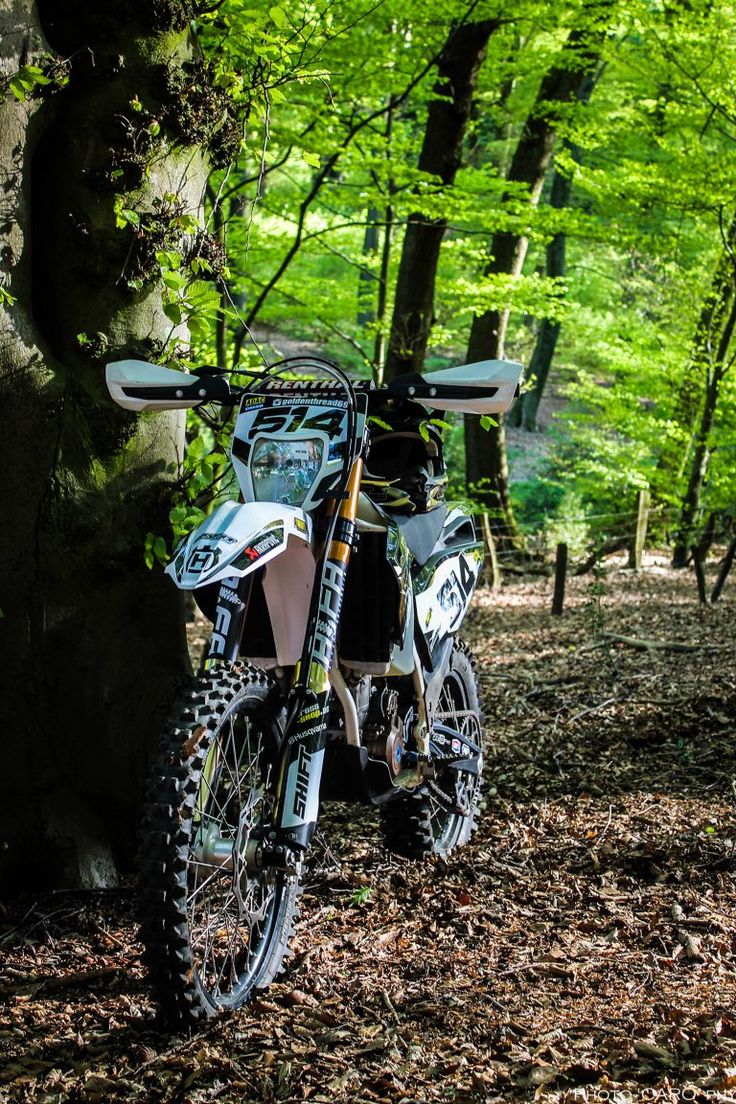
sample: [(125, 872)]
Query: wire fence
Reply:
[(604, 534)]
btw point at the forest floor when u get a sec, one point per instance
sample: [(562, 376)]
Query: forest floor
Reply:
[(582, 945)]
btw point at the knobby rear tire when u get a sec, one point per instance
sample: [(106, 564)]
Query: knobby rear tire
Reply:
[(415, 825), (211, 783)]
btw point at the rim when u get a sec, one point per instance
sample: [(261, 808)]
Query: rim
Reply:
[(453, 710), (231, 910)]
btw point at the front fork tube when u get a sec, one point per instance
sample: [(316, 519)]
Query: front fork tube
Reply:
[(303, 749), (230, 614)]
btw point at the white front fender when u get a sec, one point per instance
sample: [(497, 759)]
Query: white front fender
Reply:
[(236, 539)]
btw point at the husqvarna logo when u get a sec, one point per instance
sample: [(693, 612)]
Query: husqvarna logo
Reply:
[(202, 559)]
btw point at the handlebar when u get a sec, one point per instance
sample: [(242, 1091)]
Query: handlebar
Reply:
[(210, 385)]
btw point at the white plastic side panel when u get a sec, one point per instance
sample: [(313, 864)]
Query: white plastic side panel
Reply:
[(287, 586), (442, 606)]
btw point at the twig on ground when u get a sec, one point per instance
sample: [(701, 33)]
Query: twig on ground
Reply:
[(666, 645), (602, 834), (591, 709)]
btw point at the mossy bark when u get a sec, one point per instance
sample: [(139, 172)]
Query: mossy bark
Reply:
[(93, 642)]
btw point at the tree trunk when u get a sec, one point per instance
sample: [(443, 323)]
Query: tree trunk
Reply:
[(93, 642), (379, 342), (441, 155), (525, 412), (549, 329), (485, 450), (698, 470), (690, 396), (367, 278), (691, 501)]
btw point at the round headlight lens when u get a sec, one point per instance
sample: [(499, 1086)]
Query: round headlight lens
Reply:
[(285, 471)]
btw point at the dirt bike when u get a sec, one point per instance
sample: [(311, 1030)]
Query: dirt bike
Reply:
[(336, 586)]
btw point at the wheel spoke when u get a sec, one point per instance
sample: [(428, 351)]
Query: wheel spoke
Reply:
[(214, 781), (225, 923), (424, 822)]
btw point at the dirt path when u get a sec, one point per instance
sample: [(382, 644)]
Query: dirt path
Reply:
[(582, 944)]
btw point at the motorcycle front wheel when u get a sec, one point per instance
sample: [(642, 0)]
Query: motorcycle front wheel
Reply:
[(215, 926), (417, 825)]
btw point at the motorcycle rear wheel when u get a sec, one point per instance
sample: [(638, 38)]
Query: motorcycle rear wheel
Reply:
[(215, 929), (416, 825)]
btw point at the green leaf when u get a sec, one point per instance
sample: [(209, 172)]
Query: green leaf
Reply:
[(278, 16), (124, 216), (173, 313), (148, 550), (199, 328), (188, 223), (311, 158), (196, 449), (17, 88), (200, 264), (160, 550), (487, 422), (174, 280), (361, 895), (135, 104), (26, 80), (35, 75), (168, 258)]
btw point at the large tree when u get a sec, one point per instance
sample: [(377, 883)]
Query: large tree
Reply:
[(441, 156), (107, 120), (485, 450)]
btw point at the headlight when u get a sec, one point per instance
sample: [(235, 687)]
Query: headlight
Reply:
[(284, 471)]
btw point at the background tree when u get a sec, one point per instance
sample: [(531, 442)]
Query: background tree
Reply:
[(485, 447), (441, 155), (524, 413)]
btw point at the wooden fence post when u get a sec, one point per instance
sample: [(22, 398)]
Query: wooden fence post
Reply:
[(642, 520), (492, 571), (558, 599), (723, 573), (699, 574)]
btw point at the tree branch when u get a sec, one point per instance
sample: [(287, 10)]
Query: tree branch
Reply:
[(329, 164)]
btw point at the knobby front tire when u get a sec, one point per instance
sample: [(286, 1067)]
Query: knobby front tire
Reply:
[(215, 929)]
